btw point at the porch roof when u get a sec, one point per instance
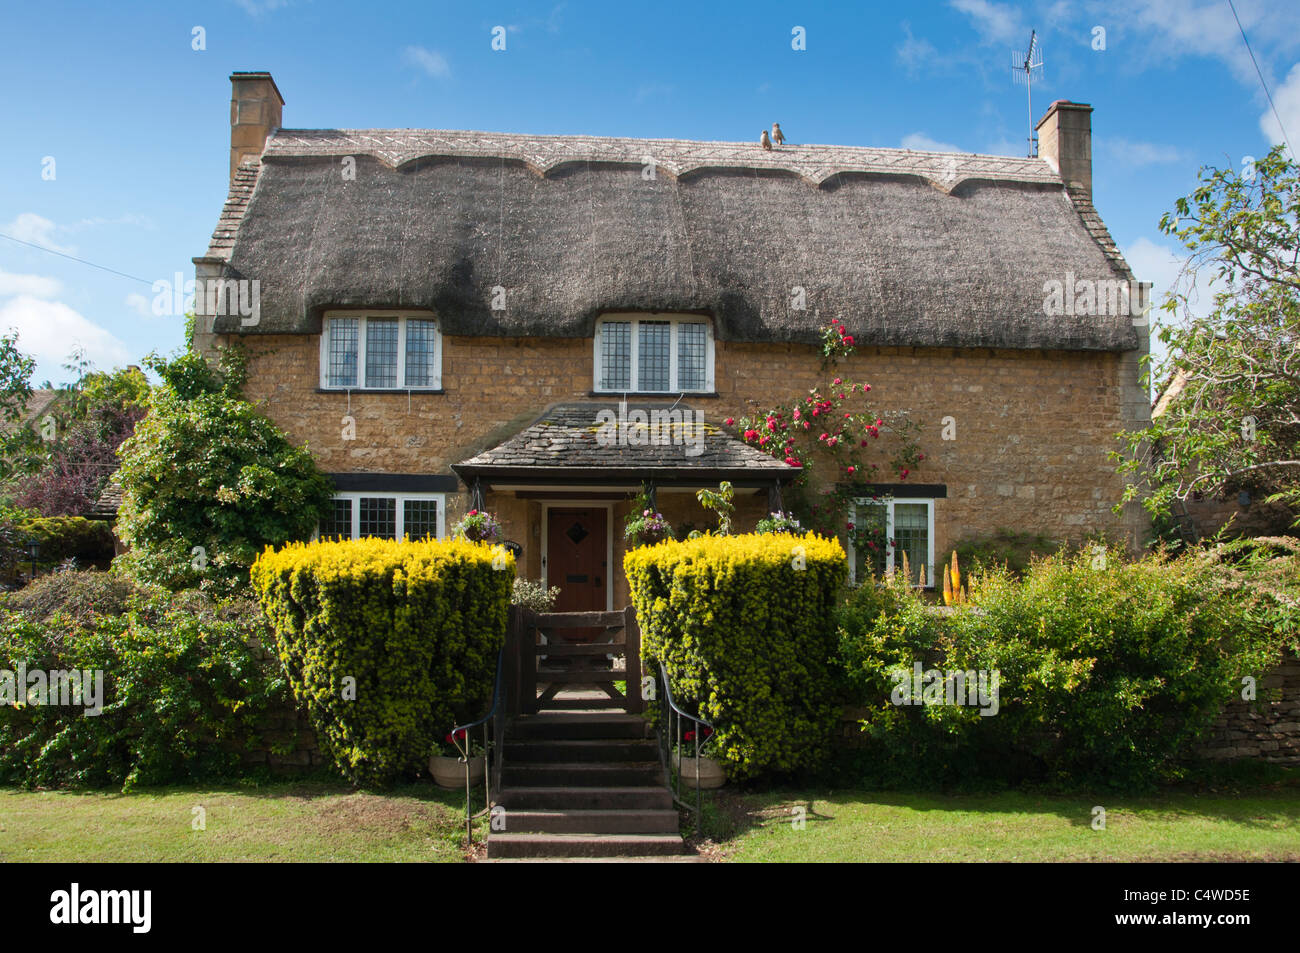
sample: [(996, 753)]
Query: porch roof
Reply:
[(595, 442)]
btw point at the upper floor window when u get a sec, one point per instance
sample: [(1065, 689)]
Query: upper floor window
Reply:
[(906, 525), (380, 349), (653, 353)]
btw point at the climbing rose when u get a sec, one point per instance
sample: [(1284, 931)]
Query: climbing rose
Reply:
[(729, 421), (793, 462)]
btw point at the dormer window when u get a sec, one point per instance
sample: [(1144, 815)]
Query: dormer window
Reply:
[(653, 353), (380, 350)]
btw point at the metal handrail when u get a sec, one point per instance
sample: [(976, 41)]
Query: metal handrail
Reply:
[(492, 754), (670, 739)]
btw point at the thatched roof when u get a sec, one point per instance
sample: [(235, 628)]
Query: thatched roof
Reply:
[(908, 248)]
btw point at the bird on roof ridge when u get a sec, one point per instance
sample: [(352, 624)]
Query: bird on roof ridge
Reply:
[(777, 135), (765, 142)]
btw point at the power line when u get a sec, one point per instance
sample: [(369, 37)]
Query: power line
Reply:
[(1259, 73), (120, 274)]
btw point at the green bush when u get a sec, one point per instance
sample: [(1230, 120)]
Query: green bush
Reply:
[(183, 688), (1109, 672), (387, 644), (748, 640), (208, 481), (89, 542)]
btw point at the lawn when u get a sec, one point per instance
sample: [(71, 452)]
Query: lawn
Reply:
[(275, 822), (1263, 824)]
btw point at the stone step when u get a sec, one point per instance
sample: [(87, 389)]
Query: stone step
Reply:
[(577, 726), (590, 822), (564, 749), (583, 845), (583, 774), (570, 798)]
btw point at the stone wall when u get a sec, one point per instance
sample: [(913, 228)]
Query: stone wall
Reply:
[(1267, 729), (1033, 428)]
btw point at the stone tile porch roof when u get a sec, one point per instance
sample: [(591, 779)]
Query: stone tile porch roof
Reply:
[(568, 439)]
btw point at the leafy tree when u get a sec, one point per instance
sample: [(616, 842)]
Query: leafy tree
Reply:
[(16, 442), (1233, 417), (95, 415), (208, 481)]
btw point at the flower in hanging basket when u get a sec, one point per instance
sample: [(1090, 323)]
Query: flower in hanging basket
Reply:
[(647, 529), (478, 526)]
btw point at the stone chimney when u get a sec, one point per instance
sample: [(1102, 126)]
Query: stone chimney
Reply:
[(1065, 141), (255, 105)]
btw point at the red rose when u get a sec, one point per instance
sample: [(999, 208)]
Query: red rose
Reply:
[(690, 736), (793, 462), (729, 421)]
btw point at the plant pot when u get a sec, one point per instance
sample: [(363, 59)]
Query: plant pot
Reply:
[(450, 772), (711, 773)]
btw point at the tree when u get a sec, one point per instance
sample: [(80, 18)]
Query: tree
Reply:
[(1232, 420), (94, 416), (16, 441), (208, 481)]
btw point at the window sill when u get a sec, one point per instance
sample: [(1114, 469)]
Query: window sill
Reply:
[(435, 391), (643, 394)]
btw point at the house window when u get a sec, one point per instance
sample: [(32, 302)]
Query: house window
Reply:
[(386, 350), (386, 515), (653, 354), (909, 526)]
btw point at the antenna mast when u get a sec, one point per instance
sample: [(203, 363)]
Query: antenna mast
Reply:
[(1025, 67)]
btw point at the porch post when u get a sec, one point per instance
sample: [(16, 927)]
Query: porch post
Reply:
[(774, 504)]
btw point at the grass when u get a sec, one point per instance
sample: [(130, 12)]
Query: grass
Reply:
[(1263, 824), (276, 822)]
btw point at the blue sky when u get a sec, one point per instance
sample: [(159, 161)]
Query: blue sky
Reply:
[(136, 120)]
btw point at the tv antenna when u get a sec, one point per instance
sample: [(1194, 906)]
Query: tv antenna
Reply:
[(1025, 68)]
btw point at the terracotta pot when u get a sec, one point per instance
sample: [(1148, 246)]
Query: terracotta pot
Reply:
[(450, 772), (712, 774)]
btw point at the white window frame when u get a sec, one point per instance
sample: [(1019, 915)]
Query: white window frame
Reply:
[(889, 534), (356, 496), (362, 316), (674, 320)]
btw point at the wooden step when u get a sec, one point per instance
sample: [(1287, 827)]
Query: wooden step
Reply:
[(583, 845), (575, 726), (597, 749), (583, 774), (570, 798), (590, 822)]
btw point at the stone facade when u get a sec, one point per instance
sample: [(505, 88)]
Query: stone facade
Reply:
[(1033, 428), (1268, 728)]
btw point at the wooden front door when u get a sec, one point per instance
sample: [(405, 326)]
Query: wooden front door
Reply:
[(576, 560)]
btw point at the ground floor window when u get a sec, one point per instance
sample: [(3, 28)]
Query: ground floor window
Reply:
[(908, 527), (385, 515)]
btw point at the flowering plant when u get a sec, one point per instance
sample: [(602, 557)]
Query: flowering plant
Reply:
[(478, 526), (447, 747), (778, 523), (687, 747), (649, 527)]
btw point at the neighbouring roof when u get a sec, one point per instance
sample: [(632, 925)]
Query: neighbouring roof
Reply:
[(570, 438), (110, 499), (908, 248), (40, 403)]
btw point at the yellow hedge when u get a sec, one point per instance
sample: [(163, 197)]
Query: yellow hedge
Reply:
[(386, 644), (744, 625)]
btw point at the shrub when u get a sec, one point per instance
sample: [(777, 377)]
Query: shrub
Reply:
[(89, 542), (182, 691), (1108, 674), (534, 595), (208, 481), (78, 595), (386, 644), (1006, 548), (748, 638)]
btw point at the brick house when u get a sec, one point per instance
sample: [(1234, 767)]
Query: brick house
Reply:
[(443, 318)]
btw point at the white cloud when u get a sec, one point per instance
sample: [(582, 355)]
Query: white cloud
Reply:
[(256, 8), (49, 330), (1138, 154), (431, 61), (1170, 29), (914, 53), (923, 143), (30, 227), (37, 286), (139, 304), (995, 22), (1287, 100)]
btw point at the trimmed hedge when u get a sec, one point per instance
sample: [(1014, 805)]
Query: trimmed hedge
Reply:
[(747, 638), (386, 644)]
